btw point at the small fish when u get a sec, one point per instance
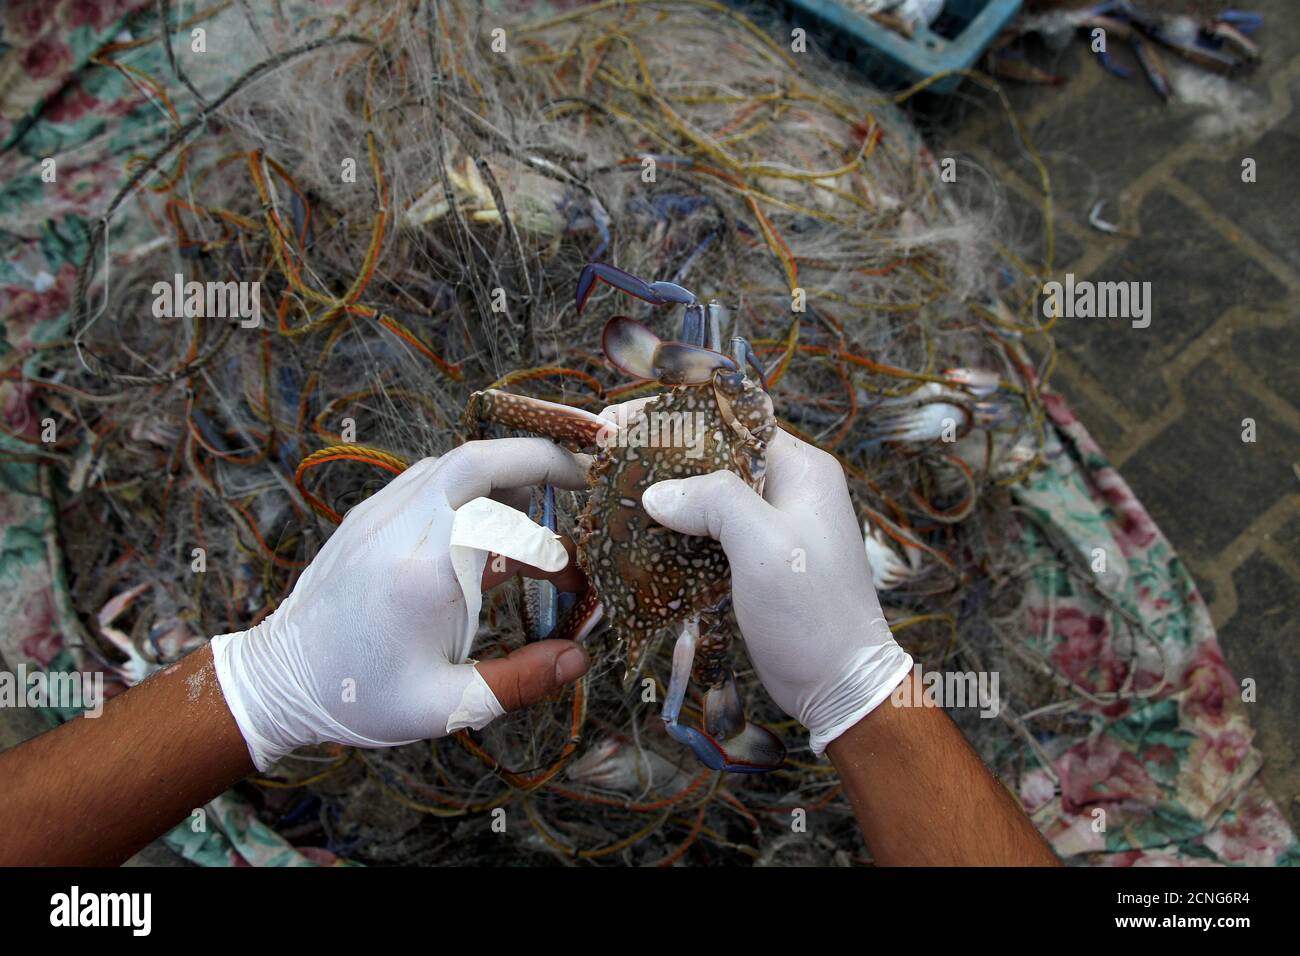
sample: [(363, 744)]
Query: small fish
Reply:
[(1234, 39), (1112, 67), (888, 569), (611, 764), (137, 667), (1019, 69), (1247, 21), (1184, 38), (1154, 69), (1095, 220)]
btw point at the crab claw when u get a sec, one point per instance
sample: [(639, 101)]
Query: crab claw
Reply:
[(754, 750), (656, 293), (728, 742), (634, 349)]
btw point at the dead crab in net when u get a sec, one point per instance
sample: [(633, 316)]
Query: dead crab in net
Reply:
[(645, 579)]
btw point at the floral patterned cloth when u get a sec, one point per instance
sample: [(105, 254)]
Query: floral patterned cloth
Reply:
[(1166, 777), (1171, 772)]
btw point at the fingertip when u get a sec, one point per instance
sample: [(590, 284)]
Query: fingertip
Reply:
[(571, 664), (533, 672), (655, 498)]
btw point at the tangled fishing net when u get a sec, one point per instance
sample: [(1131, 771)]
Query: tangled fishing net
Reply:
[(415, 194)]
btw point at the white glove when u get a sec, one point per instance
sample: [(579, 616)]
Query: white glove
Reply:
[(800, 582), (370, 648)]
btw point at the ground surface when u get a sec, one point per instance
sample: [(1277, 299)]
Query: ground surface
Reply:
[(1167, 402)]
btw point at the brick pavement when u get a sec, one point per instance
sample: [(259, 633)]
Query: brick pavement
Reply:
[(1167, 402)]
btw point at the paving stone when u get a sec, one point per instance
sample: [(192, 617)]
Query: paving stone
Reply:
[(1274, 353), (1280, 38), (1024, 98), (1023, 220), (1260, 642), (1126, 363), (1196, 275), (1087, 407), (1254, 207), (1288, 537), (1097, 146), (1203, 485)]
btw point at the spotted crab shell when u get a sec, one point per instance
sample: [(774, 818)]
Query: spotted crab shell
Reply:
[(649, 578)]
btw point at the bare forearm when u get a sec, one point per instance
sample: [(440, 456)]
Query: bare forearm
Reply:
[(924, 798), (94, 791)]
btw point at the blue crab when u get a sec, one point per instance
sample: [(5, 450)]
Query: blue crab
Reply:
[(645, 579)]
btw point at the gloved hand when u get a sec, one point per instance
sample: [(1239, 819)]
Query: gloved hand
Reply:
[(370, 648), (800, 582)]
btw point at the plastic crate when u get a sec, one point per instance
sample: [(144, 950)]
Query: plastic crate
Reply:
[(956, 39)]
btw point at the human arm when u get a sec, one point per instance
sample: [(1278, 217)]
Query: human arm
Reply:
[(924, 798), (368, 650), (97, 789), (817, 637)]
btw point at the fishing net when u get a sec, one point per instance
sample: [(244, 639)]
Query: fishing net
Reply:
[(415, 187)]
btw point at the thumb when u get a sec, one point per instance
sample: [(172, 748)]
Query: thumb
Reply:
[(719, 505), (534, 672)]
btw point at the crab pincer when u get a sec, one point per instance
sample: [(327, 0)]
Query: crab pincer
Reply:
[(634, 349), (656, 293)]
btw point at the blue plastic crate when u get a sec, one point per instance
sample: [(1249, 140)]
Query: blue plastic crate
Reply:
[(955, 41)]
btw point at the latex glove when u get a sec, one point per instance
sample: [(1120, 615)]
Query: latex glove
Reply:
[(800, 583), (370, 648)]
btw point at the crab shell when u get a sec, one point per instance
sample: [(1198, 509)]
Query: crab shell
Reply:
[(649, 578)]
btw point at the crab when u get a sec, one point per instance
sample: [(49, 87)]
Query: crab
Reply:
[(645, 579)]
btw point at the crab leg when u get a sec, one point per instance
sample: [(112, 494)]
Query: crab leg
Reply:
[(748, 748), (728, 741), (683, 660), (581, 619), (1154, 69), (545, 605), (562, 423), (656, 293)]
